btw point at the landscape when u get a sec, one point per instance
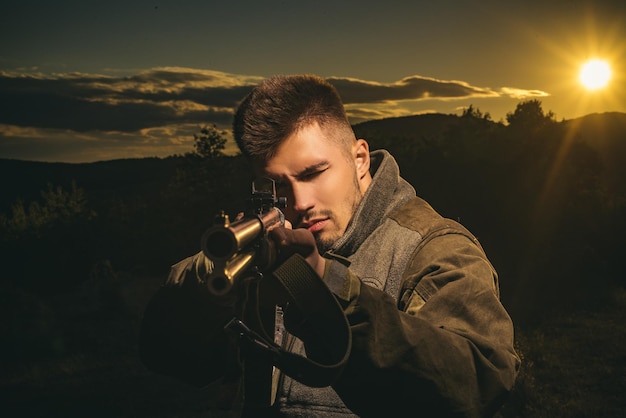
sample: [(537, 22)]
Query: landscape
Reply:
[(85, 245)]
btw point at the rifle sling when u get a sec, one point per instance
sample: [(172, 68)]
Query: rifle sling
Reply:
[(323, 325)]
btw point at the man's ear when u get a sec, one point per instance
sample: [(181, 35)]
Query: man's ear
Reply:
[(361, 152)]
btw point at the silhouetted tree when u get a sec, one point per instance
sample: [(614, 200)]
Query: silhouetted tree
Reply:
[(210, 143), (529, 115), (474, 112), (59, 207)]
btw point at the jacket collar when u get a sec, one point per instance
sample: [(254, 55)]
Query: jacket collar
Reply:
[(386, 192)]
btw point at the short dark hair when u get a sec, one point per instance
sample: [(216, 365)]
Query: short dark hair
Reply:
[(280, 106)]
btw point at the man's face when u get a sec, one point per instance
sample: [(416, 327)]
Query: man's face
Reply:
[(323, 183)]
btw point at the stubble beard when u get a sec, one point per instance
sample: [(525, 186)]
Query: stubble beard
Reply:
[(325, 243)]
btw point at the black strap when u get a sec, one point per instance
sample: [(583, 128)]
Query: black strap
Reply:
[(323, 323)]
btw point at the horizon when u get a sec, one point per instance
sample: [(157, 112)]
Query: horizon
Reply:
[(232, 149)]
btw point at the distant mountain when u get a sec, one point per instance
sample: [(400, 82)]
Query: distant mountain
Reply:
[(426, 125), (600, 130), (606, 134)]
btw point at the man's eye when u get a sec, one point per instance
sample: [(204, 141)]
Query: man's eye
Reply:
[(312, 175)]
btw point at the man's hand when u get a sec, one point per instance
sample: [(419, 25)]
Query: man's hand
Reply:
[(301, 241)]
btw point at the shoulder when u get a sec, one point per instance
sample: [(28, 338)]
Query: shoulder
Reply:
[(418, 215)]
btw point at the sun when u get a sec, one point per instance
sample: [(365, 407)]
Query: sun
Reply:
[(595, 74)]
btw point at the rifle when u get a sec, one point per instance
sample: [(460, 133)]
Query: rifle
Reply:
[(236, 247), (242, 249)]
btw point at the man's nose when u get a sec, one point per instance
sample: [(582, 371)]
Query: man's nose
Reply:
[(302, 198)]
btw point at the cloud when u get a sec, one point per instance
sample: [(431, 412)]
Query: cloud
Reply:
[(164, 96), (85, 102), (89, 117), (522, 94), (409, 88)]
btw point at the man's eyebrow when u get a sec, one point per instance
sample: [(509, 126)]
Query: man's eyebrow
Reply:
[(312, 169)]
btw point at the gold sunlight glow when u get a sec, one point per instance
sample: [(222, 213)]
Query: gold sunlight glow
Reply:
[(595, 74)]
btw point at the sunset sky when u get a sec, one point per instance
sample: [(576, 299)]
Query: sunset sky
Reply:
[(84, 81)]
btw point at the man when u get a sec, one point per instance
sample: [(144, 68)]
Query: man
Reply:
[(429, 334)]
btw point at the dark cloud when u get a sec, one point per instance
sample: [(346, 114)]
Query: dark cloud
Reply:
[(47, 110), (87, 103), (169, 96), (410, 88), (220, 93)]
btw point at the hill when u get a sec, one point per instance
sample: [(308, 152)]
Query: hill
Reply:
[(605, 133), (105, 179), (429, 125)]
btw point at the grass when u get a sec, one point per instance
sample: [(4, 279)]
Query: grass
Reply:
[(574, 364)]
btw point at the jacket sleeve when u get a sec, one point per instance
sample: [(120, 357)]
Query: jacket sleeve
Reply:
[(182, 332), (445, 347)]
